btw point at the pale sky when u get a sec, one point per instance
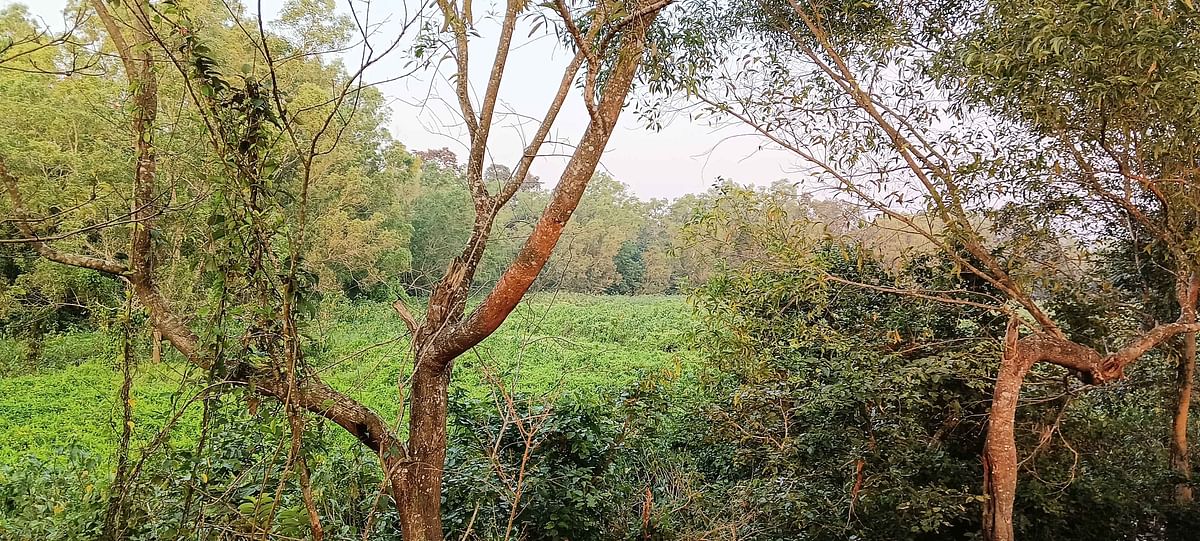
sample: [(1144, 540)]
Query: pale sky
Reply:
[(685, 157)]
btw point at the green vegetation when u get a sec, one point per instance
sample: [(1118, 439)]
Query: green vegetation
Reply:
[(233, 307), (555, 344)]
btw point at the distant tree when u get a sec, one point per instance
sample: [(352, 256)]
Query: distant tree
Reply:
[(631, 266), (441, 221), (442, 157)]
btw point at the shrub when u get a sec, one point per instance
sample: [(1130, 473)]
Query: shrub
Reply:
[(56, 499)]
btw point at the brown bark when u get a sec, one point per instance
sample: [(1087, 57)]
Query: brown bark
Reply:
[(1000, 448), (1020, 355), (421, 475), (1180, 462), (647, 507), (43, 248), (444, 335), (534, 254), (310, 503), (1186, 293), (156, 346)]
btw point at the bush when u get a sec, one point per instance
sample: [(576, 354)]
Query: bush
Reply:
[(57, 499), (568, 460), (14, 356)]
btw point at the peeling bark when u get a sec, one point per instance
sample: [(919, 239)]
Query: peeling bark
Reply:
[(1000, 448), (445, 334), (536, 251)]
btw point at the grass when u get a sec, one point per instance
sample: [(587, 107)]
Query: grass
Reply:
[(551, 344)]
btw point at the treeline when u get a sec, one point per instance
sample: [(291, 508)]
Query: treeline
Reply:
[(390, 222), (1013, 228), (615, 242), (384, 222)]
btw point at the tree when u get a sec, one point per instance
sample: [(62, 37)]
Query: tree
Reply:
[(1109, 86), (269, 143), (441, 220), (593, 240), (845, 412), (614, 38), (1082, 99)]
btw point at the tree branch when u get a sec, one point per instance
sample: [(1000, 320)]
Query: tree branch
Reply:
[(537, 249), (40, 246)]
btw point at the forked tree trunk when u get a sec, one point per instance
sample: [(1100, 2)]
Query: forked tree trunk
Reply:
[(447, 331), (1020, 355)]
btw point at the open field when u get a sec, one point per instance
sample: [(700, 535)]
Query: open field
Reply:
[(552, 344)]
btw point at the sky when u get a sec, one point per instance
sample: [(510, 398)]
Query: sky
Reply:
[(686, 156)]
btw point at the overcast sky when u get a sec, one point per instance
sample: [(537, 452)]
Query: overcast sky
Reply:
[(685, 157)]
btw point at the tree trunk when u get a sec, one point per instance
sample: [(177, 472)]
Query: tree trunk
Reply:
[(420, 477), (156, 347), (1181, 466), (1180, 463), (1000, 449)]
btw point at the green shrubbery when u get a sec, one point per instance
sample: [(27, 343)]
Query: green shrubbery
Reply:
[(56, 351), (585, 479), (360, 347), (60, 498)]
